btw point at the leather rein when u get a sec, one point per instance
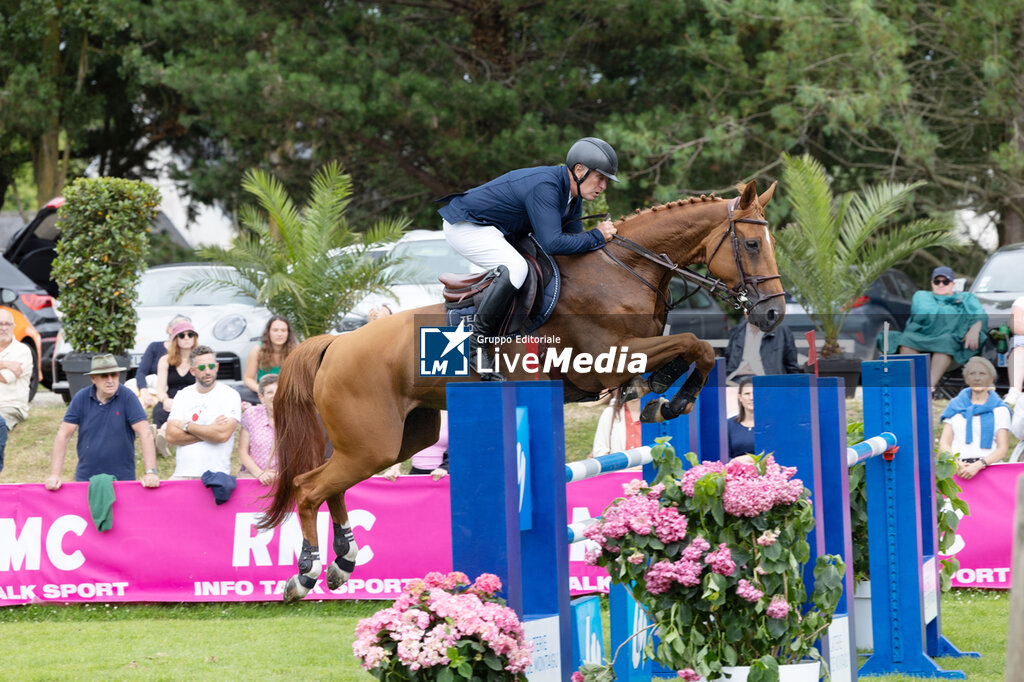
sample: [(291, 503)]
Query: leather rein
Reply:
[(736, 296)]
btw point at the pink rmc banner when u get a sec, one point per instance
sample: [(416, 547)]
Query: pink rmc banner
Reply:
[(174, 543)]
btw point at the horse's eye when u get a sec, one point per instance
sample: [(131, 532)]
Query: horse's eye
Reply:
[(753, 244)]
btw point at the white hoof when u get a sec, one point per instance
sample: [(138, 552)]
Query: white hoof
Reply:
[(336, 577)]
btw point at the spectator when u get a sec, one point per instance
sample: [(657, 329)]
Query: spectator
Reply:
[(173, 373), (256, 439), (976, 424), (752, 352), (108, 417), (203, 420), (277, 342), (432, 460), (618, 427), (1017, 428), (15, 377), (146, 373), (741, 428), (943, 322), (1015, 358)]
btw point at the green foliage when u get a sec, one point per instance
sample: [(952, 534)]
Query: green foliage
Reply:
[(305, 263), (104, 226), (745, 604), (837, 246)]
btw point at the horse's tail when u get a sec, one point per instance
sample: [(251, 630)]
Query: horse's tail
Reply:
[(299, 435)]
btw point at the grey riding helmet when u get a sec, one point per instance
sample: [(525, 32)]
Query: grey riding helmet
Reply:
[(596, 155)]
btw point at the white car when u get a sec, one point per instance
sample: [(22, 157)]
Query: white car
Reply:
[(425, 254), (225, 320)]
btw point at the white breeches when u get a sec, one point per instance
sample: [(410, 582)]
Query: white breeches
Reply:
[(485, 245)]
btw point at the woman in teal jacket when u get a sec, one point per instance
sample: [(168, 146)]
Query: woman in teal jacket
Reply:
[(943, 322)]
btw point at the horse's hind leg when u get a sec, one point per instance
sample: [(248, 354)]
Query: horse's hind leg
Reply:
[(345, 549), (311, 489)]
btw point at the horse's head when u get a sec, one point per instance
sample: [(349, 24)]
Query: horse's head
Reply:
[(742, 253)]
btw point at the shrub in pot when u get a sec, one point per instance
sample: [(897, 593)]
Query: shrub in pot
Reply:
[(715, 555), (104, 240)]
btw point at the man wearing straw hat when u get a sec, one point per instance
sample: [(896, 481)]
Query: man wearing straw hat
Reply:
[(108, 416)]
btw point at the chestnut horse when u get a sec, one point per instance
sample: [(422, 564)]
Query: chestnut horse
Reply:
[(363, 391)]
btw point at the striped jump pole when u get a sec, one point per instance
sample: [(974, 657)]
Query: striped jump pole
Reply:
[(881, 444)]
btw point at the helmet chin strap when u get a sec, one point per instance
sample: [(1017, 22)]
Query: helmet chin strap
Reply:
[(580, 181)]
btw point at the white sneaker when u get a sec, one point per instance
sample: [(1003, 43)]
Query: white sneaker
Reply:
[(1011, 397)]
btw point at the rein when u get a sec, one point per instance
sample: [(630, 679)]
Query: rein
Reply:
[(736, 296)]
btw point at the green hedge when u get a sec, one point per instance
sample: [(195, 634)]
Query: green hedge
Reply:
[(104, 241)]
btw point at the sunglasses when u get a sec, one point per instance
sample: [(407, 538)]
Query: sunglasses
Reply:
[(187, 335), (108, 375), (941, 281), (212, 365)]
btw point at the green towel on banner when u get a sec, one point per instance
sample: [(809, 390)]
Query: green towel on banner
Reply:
[(101, 501)]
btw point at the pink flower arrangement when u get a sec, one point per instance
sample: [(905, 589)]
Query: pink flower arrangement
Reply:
[(444, 623), (703, 548)]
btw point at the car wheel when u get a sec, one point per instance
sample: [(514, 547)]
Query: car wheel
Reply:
[(33, 384)]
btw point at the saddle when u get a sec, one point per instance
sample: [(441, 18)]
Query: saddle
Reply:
[(531, 306)]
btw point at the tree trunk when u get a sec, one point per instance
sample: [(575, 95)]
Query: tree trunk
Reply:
[(1013, 225), (46, 146)]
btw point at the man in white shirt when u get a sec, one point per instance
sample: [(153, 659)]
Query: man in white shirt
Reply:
[(203, 420), (15, 375)]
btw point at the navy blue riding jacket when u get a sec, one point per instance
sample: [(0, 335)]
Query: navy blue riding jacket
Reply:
[(527, 200)]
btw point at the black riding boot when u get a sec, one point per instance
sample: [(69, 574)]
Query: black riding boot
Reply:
[(490, 313)]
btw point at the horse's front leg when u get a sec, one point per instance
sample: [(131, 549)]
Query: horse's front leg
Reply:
[(672, 356), (345, 549)]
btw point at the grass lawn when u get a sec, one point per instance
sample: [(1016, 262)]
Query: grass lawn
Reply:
[(310, 640)]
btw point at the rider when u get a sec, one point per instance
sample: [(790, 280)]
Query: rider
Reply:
[(480, 224)]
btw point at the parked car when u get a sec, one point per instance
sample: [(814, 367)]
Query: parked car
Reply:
[(424, 256), (35, 305), (31, 249), (700, 314), (888, 299), (225, 320)]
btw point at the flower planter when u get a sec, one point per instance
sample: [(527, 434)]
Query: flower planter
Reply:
[(862, 615), (793, 672), (842, 366)]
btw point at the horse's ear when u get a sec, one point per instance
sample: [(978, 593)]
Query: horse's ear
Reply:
[(749, 194), (767, 196)]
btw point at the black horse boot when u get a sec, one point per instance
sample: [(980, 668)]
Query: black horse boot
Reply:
[(490, 313)]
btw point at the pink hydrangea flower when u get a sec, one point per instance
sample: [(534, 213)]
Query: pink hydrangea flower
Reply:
[(696, 549), (689, 674), (721, 561), (779, 608), (747, 591), (576, 677), (669, 525), (768, 537)]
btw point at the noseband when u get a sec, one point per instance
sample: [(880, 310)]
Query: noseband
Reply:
[(736, 296)]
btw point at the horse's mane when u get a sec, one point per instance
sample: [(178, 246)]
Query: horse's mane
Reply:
[(640, 215)]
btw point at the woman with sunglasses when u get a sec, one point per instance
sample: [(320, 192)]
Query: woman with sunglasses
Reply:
[(943, 322), (172, 374), (145, 375)]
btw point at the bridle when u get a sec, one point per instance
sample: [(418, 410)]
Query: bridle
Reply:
[(736, 296)]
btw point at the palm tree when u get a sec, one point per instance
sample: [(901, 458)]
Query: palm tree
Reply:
[(304, 262), (837, 247)]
